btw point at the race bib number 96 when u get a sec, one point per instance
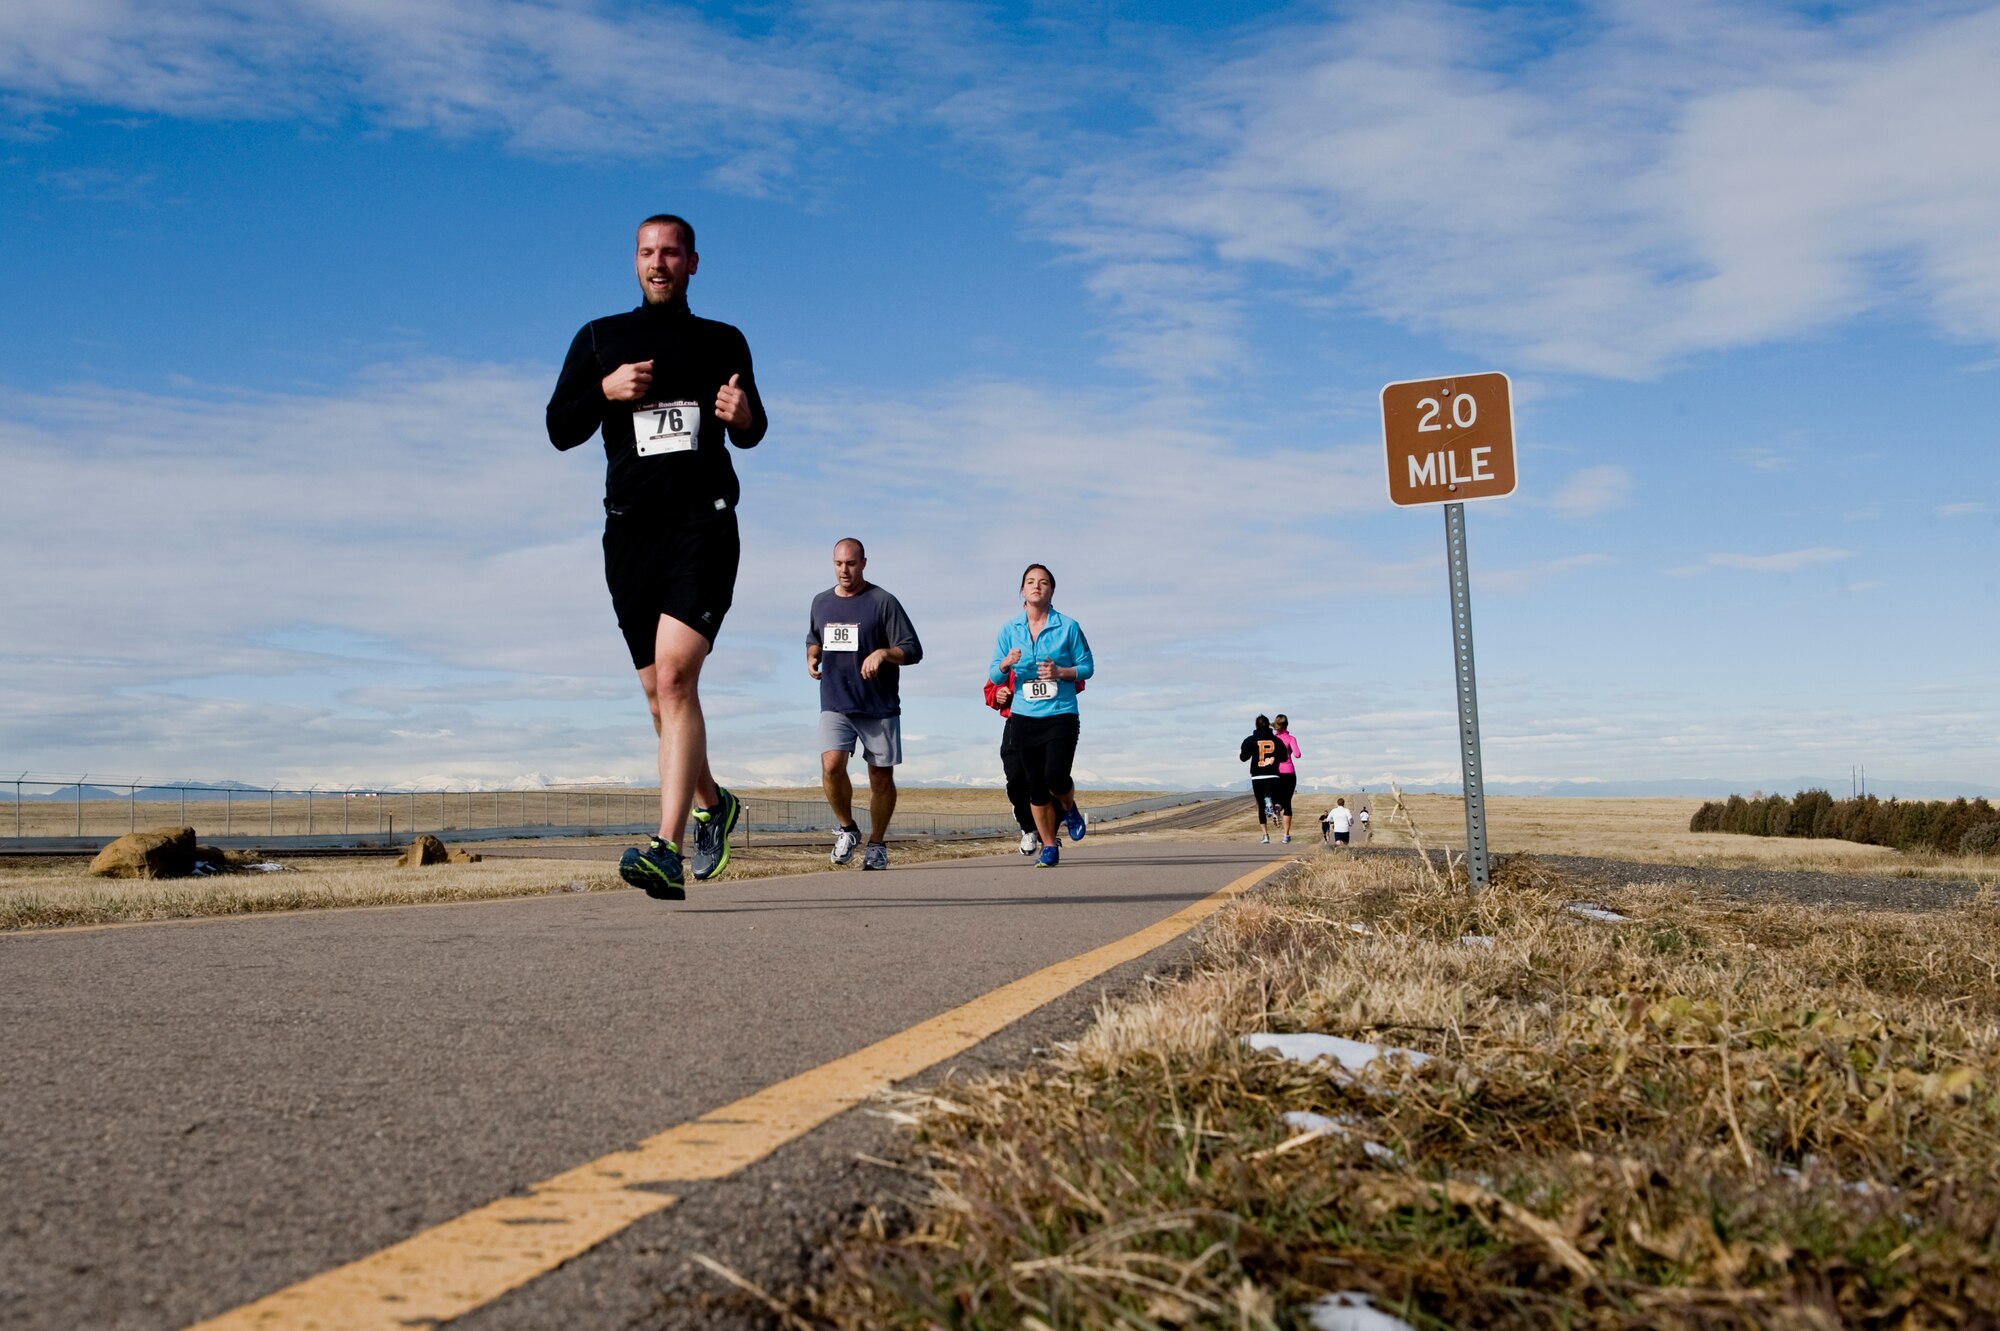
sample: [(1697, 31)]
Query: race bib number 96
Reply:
[(1038, 690), (666, 427), (841, 638)]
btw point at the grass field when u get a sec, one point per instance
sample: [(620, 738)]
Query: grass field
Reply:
[(44, 894), (249, 814), (1711, 1115)]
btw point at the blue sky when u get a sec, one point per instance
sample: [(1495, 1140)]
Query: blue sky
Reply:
[(1109, 286)]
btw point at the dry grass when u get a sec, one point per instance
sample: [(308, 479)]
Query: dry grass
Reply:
[(1712, 1116), (40, 896)]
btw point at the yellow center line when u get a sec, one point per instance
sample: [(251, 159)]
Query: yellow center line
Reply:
[(469, 1261)]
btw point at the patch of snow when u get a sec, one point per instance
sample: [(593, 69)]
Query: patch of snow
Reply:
[(1351, 1312), (1305, 1121), (1591, 911), (1352, 1055), (267, 866), (1475, 940)]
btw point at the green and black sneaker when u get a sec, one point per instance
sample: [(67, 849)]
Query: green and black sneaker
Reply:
[(711, 835), (656, 870)]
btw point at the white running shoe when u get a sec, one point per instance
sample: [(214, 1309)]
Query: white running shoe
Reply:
[(1030, 843), (1267, 838), (1288, 838), (844, 843)]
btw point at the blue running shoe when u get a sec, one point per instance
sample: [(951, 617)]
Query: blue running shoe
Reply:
[(1074, 824), (1051, 856), (656, 870), (711, 836)]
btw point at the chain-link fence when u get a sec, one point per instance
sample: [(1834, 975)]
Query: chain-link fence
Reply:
[(49, 814)]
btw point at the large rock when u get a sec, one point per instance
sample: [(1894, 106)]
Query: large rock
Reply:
[(426, 849), (164, 852)]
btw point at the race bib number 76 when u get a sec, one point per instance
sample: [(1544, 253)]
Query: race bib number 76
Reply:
[(666, 427)]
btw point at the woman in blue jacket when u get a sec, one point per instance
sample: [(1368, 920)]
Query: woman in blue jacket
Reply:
[(1049, 656)]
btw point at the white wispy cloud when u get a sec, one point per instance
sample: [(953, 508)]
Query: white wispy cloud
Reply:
[(405, 577), (1960, 510), (213, 592), (1648, 184), (1534, 575), (1605, 199), (547, 76), (1783, 562), (1592, 491)]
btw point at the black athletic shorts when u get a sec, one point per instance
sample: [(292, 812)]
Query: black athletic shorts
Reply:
[(678, 564)]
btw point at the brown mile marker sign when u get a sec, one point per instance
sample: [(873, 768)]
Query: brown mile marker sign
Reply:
[(1449, 439)]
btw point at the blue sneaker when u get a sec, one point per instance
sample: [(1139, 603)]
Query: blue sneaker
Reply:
[(1051, 856), (656, 870), (711, 836), (1074, 824)]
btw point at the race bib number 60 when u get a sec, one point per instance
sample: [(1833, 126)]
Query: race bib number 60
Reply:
[(1038, 690), (666, 427)]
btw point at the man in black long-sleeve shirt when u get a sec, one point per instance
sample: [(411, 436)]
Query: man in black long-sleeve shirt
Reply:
[(665, 389)]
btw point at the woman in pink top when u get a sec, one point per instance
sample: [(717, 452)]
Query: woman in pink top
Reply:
[(1288, 772)]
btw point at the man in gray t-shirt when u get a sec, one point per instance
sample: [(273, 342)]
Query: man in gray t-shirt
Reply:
[(857, 642)]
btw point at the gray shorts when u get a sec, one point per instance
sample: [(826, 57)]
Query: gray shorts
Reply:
[(880, 737)]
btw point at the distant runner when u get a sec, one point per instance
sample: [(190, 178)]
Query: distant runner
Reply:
[(666, 389), (1363, 818), (1288, 773), (1000, 697), (1263, 750), (1049, 658), (1339, 821), (857, 642)]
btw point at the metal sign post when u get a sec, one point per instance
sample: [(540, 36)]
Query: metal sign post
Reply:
[(1476, 865), (1450, 440)]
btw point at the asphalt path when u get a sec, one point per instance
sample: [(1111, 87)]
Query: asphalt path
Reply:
[(195, 1115)]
